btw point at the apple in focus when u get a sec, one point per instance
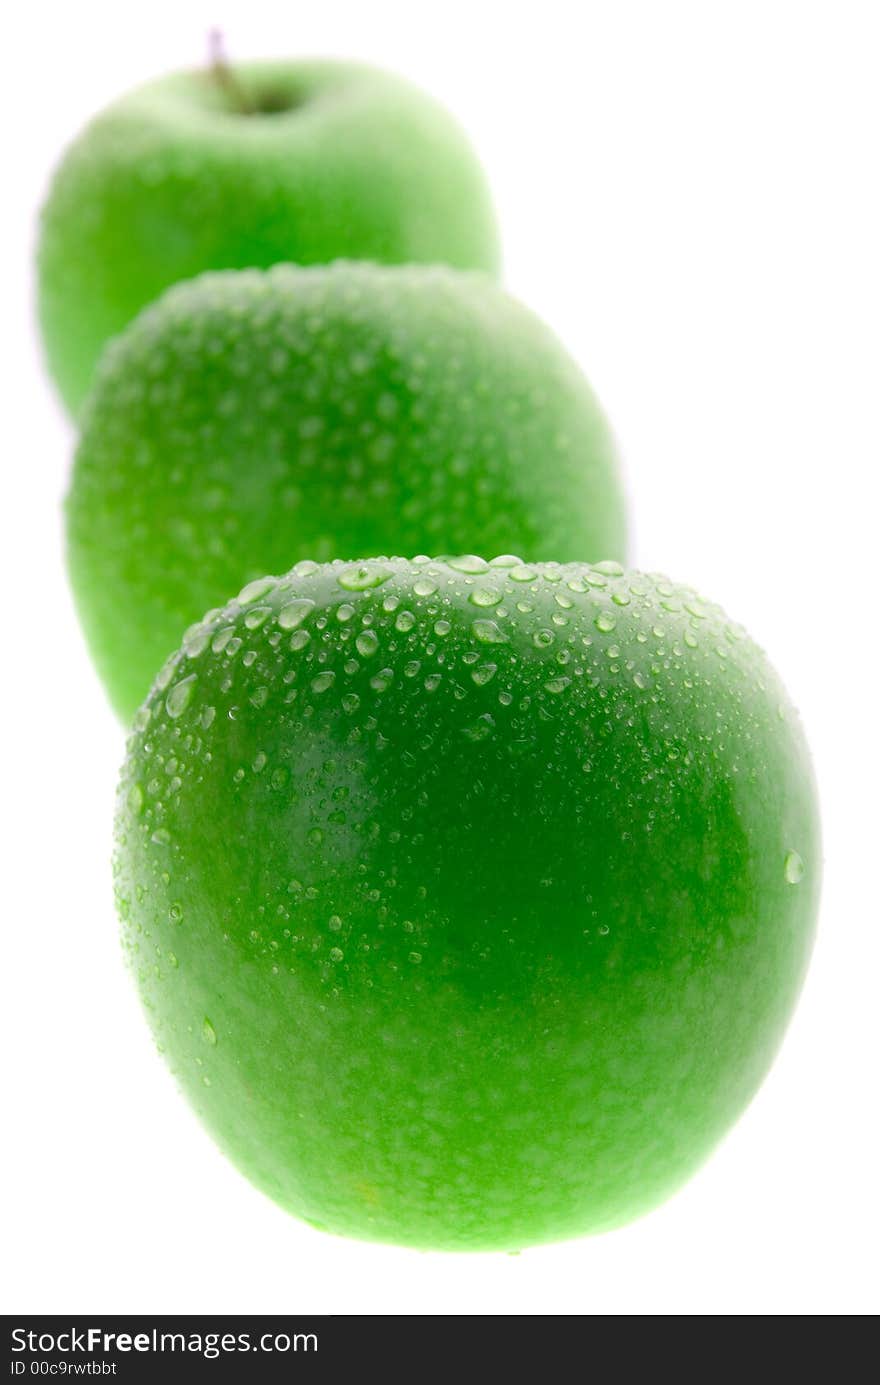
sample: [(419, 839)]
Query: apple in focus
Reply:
[(468, 901)]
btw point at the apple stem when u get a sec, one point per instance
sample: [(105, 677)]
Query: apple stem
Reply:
[(223, 75)]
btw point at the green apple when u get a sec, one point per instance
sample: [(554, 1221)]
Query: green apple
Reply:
[(291, 161), (468, 901), (253, 418)]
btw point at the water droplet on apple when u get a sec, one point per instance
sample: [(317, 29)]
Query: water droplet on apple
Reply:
[(254, 590), (468, 563), (179, 696), (484, 674), (363, 577), (481, 728), (489, 632), (485, 596), (294, 613)]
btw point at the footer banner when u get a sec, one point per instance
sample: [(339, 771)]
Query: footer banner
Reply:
[(134, 1348)]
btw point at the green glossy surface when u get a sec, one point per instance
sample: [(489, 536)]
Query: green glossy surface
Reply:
[(468, 903), (172, 180), (251, 419)]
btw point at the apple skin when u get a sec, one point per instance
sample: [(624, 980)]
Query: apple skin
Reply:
[(252, 418), (468, 903), (172, 180)]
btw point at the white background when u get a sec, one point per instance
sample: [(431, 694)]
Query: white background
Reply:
[(689, 193)]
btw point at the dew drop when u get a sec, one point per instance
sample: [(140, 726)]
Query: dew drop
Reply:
[(256, 616), (485, 596), (367, 643), (468, 563), (480, 729), (363, 577), (484, 674), (294, 613), (489, 632), (195, 641), (178, 698), (254, 590), (794, 868)]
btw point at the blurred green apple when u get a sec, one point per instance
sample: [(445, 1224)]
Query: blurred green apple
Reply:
[(295, 161), (468, 901), (252, 418)]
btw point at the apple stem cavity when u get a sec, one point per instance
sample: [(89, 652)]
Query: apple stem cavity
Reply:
[(223, 75)]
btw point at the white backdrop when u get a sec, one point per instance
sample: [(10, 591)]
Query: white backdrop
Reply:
[(689, 193)]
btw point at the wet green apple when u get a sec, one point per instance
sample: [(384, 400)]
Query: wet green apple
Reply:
[(299, 161), (468, 901), (250, 419)]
